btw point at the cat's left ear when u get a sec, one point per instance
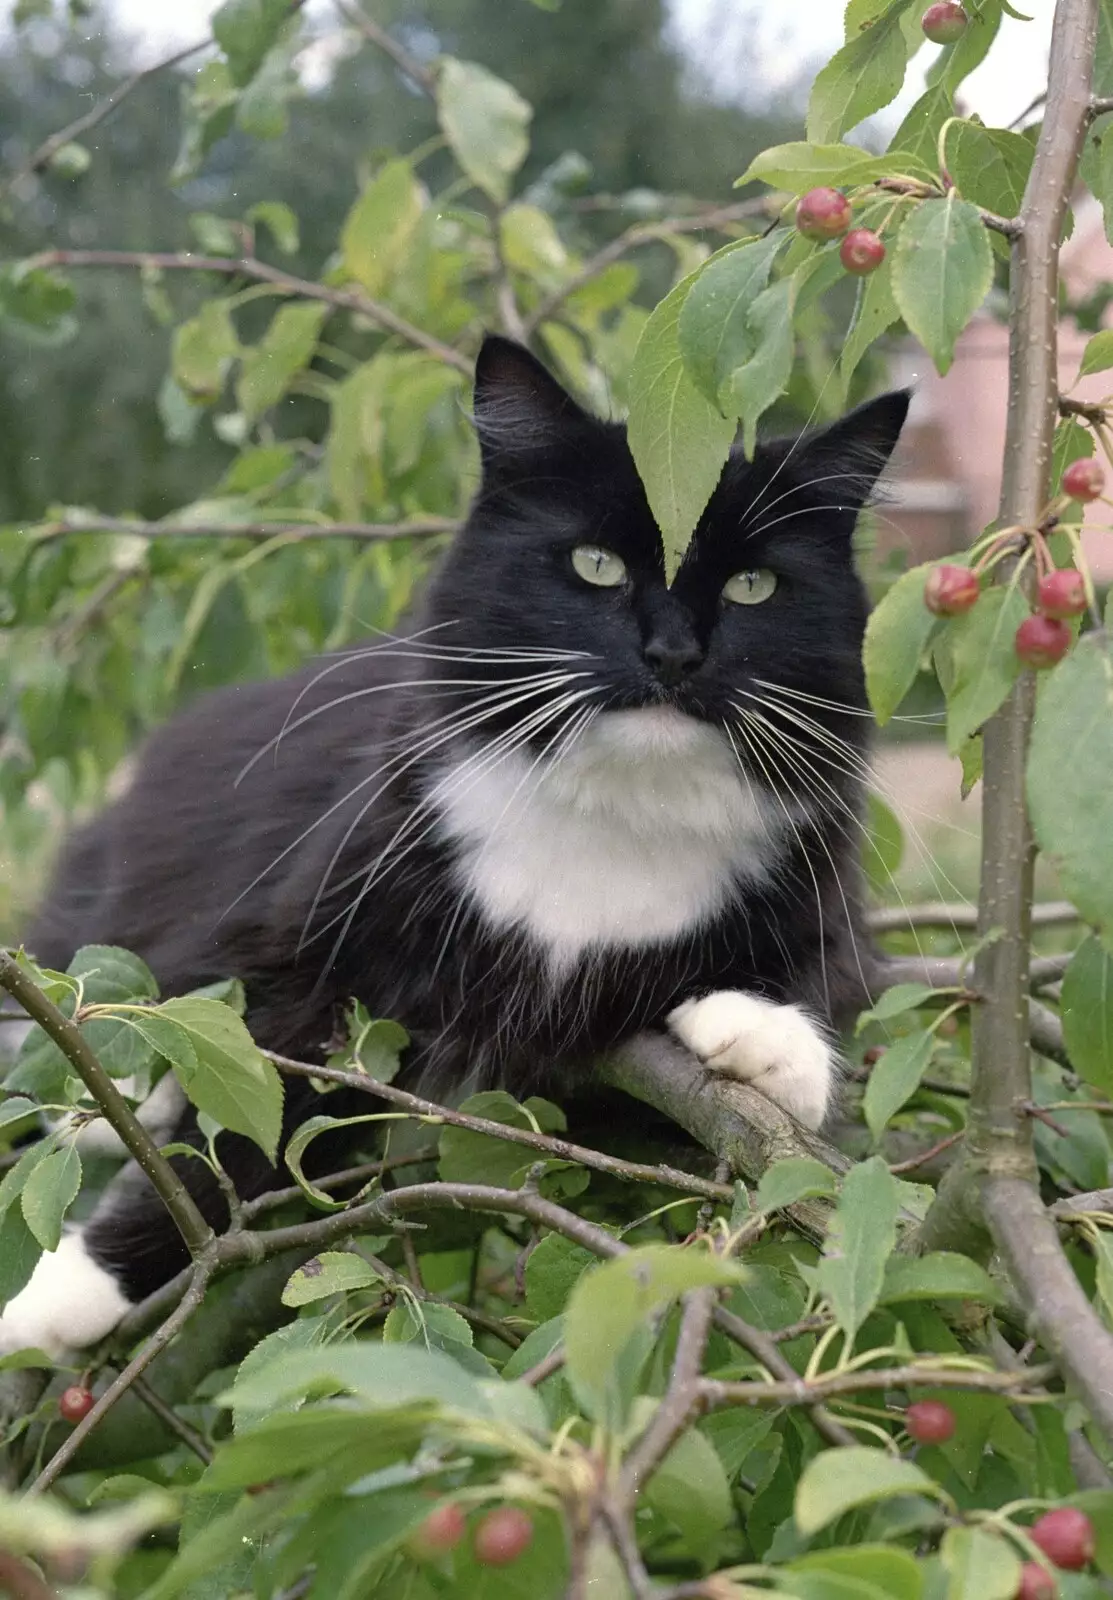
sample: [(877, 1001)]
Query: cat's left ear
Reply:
[(520, 408), (859, 445)]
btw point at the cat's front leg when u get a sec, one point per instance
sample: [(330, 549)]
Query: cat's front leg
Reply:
[(780, 1049)]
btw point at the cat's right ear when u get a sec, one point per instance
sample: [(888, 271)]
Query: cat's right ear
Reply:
[(520, 408)]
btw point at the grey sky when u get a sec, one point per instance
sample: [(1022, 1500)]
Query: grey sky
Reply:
[(791, 31)]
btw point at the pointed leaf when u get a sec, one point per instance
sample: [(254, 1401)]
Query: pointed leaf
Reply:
[(232, 1082), (269, 366), (714, 328), (980, 1565), (862, 1235), (989, 166), (983, 661), (897, 635), (679, 440), (48, 1194), (332, 1272), (486, 123), (861, 78), (794, 1178), (378, 229), (942, 272), (803, 165), (895, 1078), (1086, 1007), (762, 378)]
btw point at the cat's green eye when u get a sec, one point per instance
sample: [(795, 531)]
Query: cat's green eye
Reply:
[(750, 588), (595, 565)]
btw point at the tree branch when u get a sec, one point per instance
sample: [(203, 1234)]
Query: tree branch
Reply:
[(419, 75), (682, 1399), (259, 272), (545, 1144), (959, 917), (832, 1385), (73, 1044), (419, 528)]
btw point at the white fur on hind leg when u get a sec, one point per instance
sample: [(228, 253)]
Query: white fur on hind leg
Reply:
[(777, 1048), (69, 1302)]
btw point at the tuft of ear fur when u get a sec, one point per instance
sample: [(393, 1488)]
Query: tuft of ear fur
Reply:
[(861, 444), (519, 406)]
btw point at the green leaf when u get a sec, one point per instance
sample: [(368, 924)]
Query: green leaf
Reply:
[(860, 1241), (866, 1570), (16, 1109), (1073, 820), (245, 30), (714, 327), (19, 1251), (898, 999), (940, 1275), (486, 123), (837, 1481), (865, 75), (203, 349), (942, 272), (48, 1194), (690, 1488), (436, 1327), (1086, 1007), (286, 347), (679, 440), (332, 1272), (232, 1082), (989, 166), (299, 1142), (895, 1078), (380, 226), (1096, 168), (801, 166), (876, 311), (553, 1270), (614, 1303), (1098, 354), (382, 1376), (281, 223), (762, 378), (897, 635), (736, 1433), (306, 1333), (983, 661), (468, 1157), (791, 1179), (980, 1565)]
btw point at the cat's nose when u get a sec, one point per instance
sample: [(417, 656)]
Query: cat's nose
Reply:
[(672, 660)]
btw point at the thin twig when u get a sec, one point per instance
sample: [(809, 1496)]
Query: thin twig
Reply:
[(418, 74), (73, 1044), (546, 1144), (419, 528), (545, 1368), (158, 1341), (926, 1155), (259, 272), (682, 1399), (170, 1418), (764, 1349), (631, 239), (832, 1385), (959, 916)]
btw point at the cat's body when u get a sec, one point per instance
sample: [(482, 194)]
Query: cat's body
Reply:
[(558, 810)]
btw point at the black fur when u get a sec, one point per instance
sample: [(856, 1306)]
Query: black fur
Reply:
[(201, 875)]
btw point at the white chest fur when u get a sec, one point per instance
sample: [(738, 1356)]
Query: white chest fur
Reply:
[(638, 834)]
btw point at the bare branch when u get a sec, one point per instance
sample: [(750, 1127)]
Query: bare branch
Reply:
[(419, 528), (763, 1348), (832, 1385), (67, 1035), (418, 74), (545, 1144), (259, 272), (170, 1418), (959, 917)]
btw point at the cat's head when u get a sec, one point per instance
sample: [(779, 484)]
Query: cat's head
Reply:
[(561, 554)]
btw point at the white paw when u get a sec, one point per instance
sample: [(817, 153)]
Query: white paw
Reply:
[(69, 1302), (777, 1048)]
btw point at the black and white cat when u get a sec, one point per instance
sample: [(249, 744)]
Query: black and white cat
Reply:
[(570, 803)]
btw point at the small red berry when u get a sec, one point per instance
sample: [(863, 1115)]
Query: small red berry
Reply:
[(1036, 1583), (441, 1532), (75, 1402), (823, 214), (1042, 641), (1066, 1537), (503, 1536), (1084, 480), (861, 252), (1062, 594), (944, 23), (930, 1421), (873, 1055), (950, 590)]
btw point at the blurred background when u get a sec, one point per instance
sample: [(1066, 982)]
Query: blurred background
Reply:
[(641, 110)]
